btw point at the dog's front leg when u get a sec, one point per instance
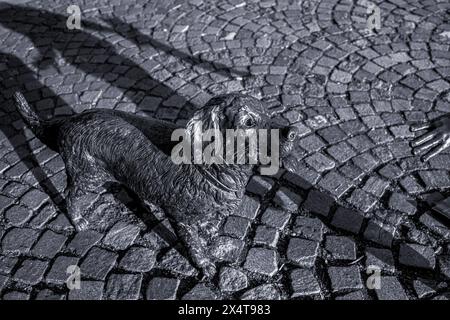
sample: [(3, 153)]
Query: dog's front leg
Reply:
[(189, 235)]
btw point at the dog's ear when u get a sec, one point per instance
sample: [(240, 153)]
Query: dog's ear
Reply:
[(210, 116)]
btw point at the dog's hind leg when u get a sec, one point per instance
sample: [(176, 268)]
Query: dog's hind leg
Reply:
[(190, 236), (81, 191)]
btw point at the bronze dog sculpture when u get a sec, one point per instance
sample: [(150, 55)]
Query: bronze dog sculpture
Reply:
[(102, 145)]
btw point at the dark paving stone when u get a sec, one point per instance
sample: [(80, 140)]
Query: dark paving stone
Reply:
[(309, 228), (302, 252), (402, 203), (320, 162), (45, 215), (356, 295), (287, 199), (435, 179), (61, 224), (248, 208), (138, 259), (340, 248), (47, 294), (262, 292), (376, 186), (380, 258), (162, 289), (435, 225), (17, 215), (83, 241), (341, 152), (49, 244), (391, 289), (16, 295), (31, 272), (266, 236), (362, 200), (443, 207), (121, 235), (34, 199), (303, 283), (318, 202), (89, 290), (345, 278), (7, 264), (275, 218), (200, 292), (379, 232), (335, 184), (3, 282), (236, 227), (311, 143), (58, 272), (417, 256), (19, 240), (262, 261), (259, 185), (232, 280), (98, 263), (348, 219), (174, 262), (444, 265), (411, 185), (123, 287), (424, 287)]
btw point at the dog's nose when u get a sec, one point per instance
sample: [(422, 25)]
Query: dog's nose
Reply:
[(290, 133)]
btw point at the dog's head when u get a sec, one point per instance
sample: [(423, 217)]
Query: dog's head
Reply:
[(237, 111)]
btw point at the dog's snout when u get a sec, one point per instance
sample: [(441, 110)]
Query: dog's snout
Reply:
[(290, 133)]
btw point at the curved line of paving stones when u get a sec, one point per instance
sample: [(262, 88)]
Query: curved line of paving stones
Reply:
[(290, 239)]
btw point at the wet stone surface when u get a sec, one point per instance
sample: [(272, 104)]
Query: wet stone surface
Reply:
[(355, 196)]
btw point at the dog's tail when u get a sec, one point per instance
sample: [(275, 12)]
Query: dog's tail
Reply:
[(40, 127), (29, 116)]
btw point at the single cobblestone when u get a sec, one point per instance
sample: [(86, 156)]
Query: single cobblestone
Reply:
[(58, 272), (162, 288), (263, 292), (138, 260), (340, 248), (31, 272), (98, 263), (303, 283), (89, 290), (391, 289), (345, 278), (302, 252), (200, 292), (262, 261), (232, 280), (123, 287), (49, 244), (417, 256)]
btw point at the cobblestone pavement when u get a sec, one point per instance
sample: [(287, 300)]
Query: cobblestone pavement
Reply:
[(357, 197)]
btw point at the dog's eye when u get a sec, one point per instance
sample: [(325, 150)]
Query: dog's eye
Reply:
[(249, 122)]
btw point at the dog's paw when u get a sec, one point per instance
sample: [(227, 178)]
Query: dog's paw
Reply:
[(81, 224)]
